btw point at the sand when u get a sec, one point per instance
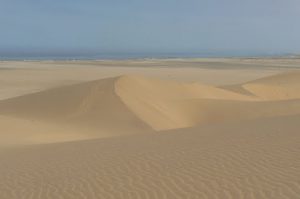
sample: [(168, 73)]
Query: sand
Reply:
[(185, 128)]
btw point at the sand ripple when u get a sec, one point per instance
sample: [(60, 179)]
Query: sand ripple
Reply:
[(249, 160)]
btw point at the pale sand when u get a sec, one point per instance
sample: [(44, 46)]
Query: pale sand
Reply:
[(195, 128)]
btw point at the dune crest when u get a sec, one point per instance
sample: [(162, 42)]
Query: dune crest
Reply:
[(169, 105), (157, 102), (132, 104), (92, 109)]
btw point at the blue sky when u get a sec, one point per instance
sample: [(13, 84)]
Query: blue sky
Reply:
[(151, 26)]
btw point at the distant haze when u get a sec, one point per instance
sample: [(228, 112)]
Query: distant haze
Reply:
[(157, 26)]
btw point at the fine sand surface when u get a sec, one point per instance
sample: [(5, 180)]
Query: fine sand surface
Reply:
[(184, 128)]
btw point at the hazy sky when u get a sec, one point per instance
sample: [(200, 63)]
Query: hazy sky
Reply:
[(151, 25)]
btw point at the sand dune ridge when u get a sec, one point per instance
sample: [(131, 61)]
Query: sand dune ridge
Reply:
[(136, 136), (130, 104)]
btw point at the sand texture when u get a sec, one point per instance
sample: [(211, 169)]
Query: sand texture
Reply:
[(135, 131)]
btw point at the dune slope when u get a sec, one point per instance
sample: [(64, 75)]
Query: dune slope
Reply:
[(251, 159), (169, 105), (164, 139), (278, 87), (156, 101), (86, 110), (135, 104), (126, 103)]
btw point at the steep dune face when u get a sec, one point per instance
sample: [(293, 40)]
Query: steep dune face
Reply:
[(158, 102), (169, 105), (279, 87)]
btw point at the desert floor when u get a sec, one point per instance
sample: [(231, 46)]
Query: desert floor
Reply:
[(173, 128)]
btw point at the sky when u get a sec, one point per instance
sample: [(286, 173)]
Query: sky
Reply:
[(161, 26)]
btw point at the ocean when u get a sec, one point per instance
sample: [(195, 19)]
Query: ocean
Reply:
[(24, 56)]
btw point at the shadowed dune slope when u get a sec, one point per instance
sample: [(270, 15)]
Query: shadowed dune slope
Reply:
[(91, 107), (250, 159)]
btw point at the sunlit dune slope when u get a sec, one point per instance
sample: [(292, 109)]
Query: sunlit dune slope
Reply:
[(156, 101), (170, 105)]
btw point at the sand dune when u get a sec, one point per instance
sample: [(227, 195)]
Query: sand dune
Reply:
[(169, 105), (253, 159), (156, 101), (134, 136), (279, 87), (128, 103), (133, 104), (89, 109)]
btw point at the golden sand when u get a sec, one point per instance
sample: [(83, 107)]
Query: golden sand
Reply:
[(135, 131)]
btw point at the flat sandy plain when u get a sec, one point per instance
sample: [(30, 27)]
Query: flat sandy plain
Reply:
[(173, 128)]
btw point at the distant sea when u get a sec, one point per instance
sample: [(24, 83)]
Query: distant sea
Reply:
[(120, 56)]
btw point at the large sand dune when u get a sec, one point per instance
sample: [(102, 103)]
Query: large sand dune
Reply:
[(253, 159), (169, 105), (86, 110), (132, 104), (135, 136)]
